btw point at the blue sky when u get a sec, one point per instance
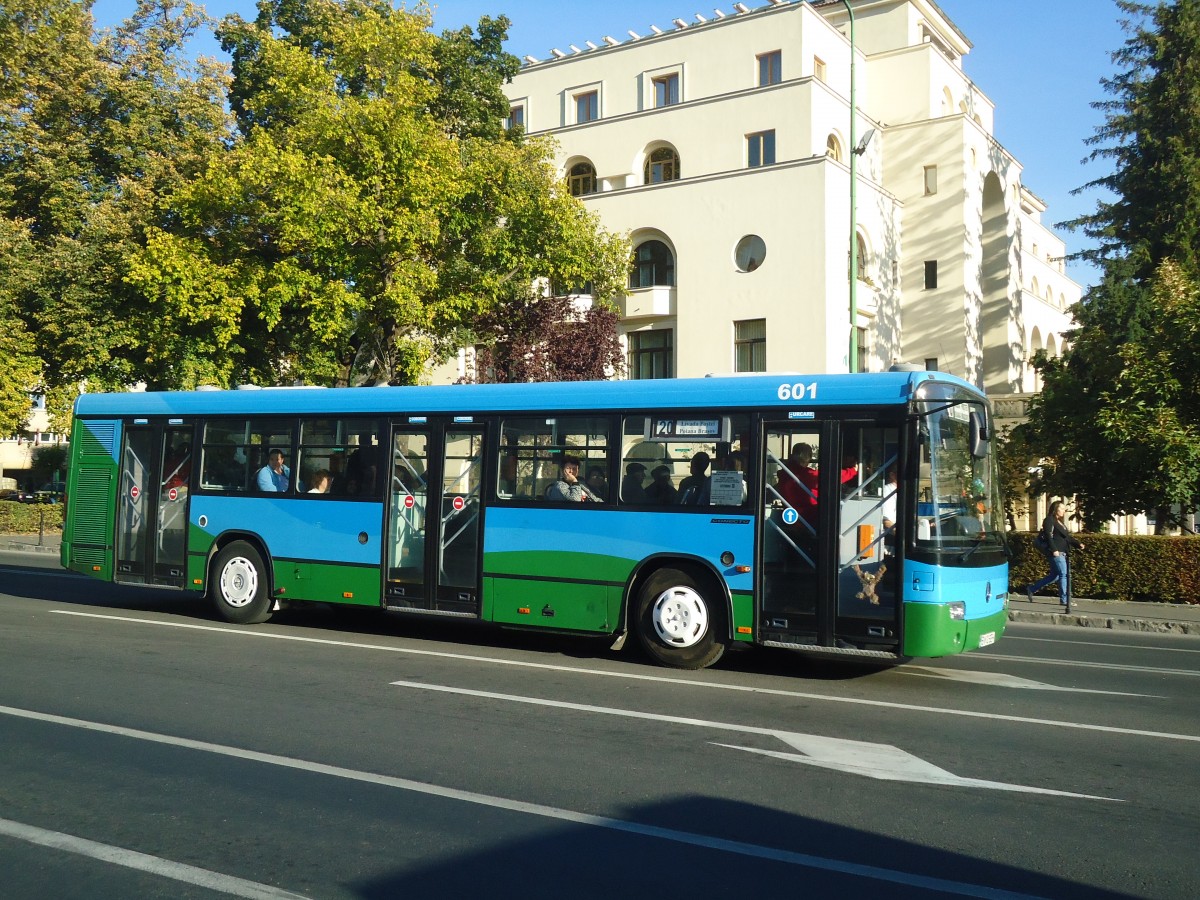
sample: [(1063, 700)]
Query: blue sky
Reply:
[(1040, 62)]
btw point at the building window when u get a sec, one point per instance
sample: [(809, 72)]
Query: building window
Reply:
[(819, 70), (930, 274), (860, 249), (653, 266), (931, 364), (587, 107), (750, 345), (662, 165), (770, 68), (833, 148), (666, 90), (861, 347), (516, 117), (651, 354), (749, 253), (760, 149), (930, 180), (582, 179)]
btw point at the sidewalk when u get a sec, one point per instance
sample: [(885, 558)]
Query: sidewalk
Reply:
[(1115, 615), (31, 543)]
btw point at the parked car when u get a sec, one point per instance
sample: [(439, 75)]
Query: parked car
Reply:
[(16, 495), (50, 492)]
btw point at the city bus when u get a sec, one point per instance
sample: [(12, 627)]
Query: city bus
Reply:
[(835, 514)]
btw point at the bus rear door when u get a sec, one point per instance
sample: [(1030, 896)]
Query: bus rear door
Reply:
[(152, 499), (828, 576), (434, 518)]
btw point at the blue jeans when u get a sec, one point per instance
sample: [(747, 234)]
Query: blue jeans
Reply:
[(1058, 571)]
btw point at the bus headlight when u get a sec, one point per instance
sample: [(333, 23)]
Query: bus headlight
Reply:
[(958, 610)]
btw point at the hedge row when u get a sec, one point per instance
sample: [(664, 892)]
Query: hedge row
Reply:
[(1116, 567), (29, 518)]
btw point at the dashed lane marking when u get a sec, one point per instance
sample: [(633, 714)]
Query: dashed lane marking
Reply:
[(233, 631), (787, 857), (880, 761)]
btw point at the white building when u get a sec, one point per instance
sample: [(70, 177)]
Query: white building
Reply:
[(722, 147)]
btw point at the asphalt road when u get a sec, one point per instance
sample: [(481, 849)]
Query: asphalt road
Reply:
[(153, 751)]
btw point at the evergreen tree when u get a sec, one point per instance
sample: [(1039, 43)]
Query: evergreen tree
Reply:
[(1117, 419)]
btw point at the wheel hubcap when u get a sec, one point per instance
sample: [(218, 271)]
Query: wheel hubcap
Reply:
[(680, 617), (239, 582)]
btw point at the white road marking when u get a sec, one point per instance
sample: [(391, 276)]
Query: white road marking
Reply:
[(999, 679), (881, 761), (233, 631), (1082, 664), (131, 859), (707, 842), (1009, 638)]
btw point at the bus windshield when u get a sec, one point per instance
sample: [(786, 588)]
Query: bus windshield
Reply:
[(958, 508)]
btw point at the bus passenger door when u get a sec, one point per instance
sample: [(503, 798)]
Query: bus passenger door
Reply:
[(828, 566), (794, 546), (156, 464), (434, 515)]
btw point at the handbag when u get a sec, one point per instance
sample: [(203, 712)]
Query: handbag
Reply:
[(1041, 542)]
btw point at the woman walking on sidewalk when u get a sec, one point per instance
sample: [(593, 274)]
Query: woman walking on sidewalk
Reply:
[(1054, 540)]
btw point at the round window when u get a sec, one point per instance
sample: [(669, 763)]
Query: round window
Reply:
[(750, 253)]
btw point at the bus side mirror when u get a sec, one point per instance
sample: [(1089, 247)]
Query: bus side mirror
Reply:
[(979, 436)]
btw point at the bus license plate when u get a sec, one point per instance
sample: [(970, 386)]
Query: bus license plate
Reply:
[(988, 639)]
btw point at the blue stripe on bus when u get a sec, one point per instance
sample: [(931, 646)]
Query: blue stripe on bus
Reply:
[(293, 527)]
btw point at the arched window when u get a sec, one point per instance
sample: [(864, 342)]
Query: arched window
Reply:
[(833, 148), (662, 165), (653, 266), (582, 179), (861, 250)]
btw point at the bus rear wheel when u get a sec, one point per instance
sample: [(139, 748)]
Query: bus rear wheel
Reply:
[(239, 586), (676, 623)]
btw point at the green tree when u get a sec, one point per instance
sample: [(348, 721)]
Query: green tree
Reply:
[(1117, 417), (93, 129), (372, 210), (20, 374)]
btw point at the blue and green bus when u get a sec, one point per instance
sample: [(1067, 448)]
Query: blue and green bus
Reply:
[(837, 514)]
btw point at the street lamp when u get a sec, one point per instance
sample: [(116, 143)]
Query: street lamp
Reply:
[(855, 152)]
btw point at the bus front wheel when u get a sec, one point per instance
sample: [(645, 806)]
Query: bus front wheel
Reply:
[(676, 623), (239, 586)]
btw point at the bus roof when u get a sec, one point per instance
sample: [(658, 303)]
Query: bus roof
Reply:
[(790, 391)]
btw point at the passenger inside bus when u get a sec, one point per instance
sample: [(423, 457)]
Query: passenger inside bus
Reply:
[(694, 489), (661, 490), (632, 490), (567, 488), (273, 477)]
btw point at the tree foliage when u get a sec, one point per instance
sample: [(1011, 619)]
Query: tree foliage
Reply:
[(343, 207), (94, 129), (372, 210), (1117, 417), (548, 338)]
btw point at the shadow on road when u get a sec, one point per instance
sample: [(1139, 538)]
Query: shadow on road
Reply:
[(45, 582)]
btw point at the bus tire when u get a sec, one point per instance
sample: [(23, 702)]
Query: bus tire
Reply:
[(677, 623), (239, 586)]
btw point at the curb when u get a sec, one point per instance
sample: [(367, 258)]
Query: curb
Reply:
[(1112, 623), (31, 548)]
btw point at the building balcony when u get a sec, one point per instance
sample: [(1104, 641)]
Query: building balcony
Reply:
[(642, 303)]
